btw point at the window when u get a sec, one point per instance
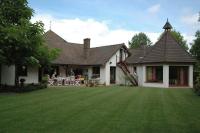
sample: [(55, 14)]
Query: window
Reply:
[(95, 72), (135, 69), (22, 70), (154, 73)]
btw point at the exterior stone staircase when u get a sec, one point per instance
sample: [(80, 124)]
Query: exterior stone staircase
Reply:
[(132, 78)]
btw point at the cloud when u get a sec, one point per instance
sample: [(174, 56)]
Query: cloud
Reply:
[(154, 9), (75, 30), (190, 19)]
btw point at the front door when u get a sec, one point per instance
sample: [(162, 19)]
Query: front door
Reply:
[(112, 75)]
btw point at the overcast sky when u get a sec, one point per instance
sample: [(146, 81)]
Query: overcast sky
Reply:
[(116, 21)]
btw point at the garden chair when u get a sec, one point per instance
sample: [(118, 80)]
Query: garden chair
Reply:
[(50, 81), (60, 81), (77, 82)]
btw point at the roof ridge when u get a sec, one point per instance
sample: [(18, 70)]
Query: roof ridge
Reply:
[(56, 35), (108, 45)]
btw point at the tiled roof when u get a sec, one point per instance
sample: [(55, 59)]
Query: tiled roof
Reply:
[(166, 50), (73, 53)]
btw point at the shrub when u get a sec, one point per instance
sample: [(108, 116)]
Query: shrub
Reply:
[(197, 85), (22, 80), (20, 89), (44, 81)]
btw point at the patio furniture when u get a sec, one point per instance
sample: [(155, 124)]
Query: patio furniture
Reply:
[(93, 82), (59, 81), (77, 82), (72, 80), (50, 81), (66, 81)]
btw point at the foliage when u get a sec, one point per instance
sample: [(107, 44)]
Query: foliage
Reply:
[(139, 39), (180, 39), (45, 81), (23, 88), (195, 49), (199, 17), (197, 85), (21, 42)]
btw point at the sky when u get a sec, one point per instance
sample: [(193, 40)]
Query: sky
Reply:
[(108, 22)]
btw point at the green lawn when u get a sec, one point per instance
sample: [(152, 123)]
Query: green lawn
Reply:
[(100, 110)]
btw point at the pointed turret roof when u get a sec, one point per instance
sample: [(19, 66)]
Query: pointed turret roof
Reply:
[(167, 26)]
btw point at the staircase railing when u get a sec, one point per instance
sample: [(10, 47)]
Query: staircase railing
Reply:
[(132, 78)]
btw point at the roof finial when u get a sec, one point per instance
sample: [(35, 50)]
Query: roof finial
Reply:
[(50, 25), (167, 26)]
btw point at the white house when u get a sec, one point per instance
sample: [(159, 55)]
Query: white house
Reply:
[(165, 64), (81, 59)]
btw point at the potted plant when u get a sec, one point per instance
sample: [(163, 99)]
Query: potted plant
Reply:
[(22, 80)]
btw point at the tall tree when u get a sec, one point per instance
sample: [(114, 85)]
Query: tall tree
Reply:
[(195, 49), (139, 39), (21, 42)]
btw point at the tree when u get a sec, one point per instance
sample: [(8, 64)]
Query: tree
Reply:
[(199, 17), (139, 39), (21, 42), (195, 49)]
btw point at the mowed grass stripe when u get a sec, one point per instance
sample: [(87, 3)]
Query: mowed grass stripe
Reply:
[(30, 99), (37, 104), (74, 114), (180, 111), (54, 107), (103, 109)]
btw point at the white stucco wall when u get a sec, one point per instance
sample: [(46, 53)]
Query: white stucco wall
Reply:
[(113, 62), (102, 75), (8, 75), (120, 76), (107, 73), (190, 76), (32, 75), (139, 70), (89, 72)]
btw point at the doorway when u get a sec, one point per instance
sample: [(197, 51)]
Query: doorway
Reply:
[(178, 75), (112, 75)]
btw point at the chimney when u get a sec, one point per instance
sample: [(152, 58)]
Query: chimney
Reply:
[(86, 43)]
